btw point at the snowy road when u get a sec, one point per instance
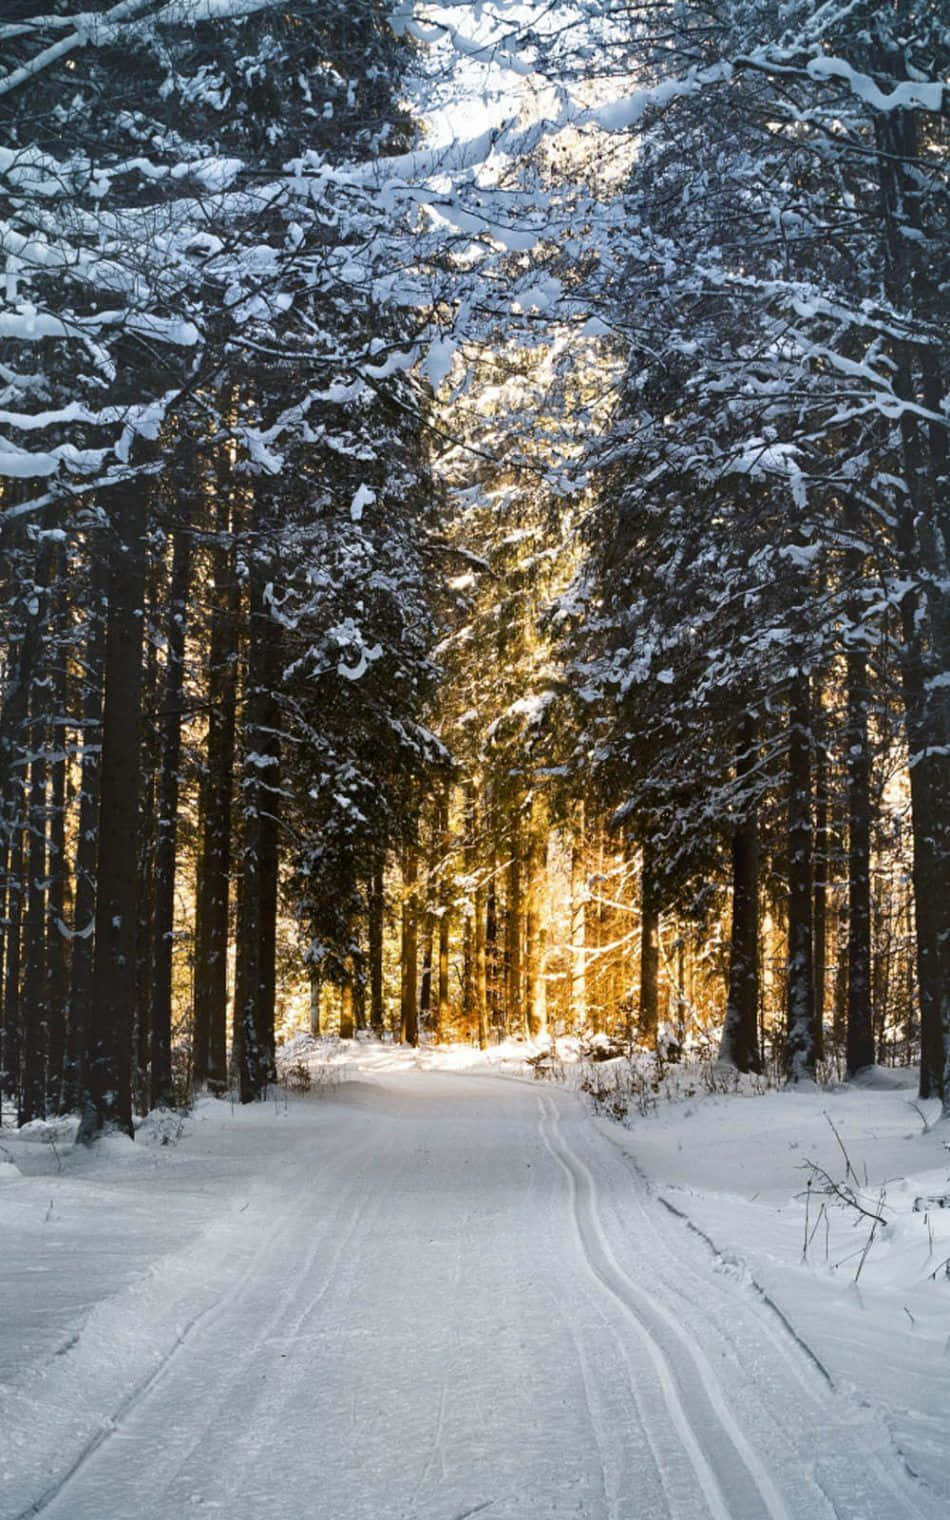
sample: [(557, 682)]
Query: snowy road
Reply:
[(457, 1298)]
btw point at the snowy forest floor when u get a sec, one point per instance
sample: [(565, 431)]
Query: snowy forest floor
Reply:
[(419, 1292)]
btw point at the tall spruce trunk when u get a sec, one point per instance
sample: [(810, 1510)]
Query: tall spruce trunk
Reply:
[(409, 953), (800, 1006), (442, 983), (492, 951), (578, 917), (477, 972), (255, 971), (739, 1045), (214, 863), (649, 948), (481, 967), (12, 1032), (4, 901), (593, 926), (377, 910), (469, 1018), (35, 985), (245, 1052), (315, 991), (859, 1049), (517, 1022), (425, 981), (820, 879), (535, 927), (148, 827), (923, 545), (57, 950), (18, 692), (161, 1089), (269, 741), (107, 1061), (87, 845), (347, 1021), (270, 895), (269, 842), (34, 1011)]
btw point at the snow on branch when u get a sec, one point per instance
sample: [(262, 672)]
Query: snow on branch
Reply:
[(906, 94)]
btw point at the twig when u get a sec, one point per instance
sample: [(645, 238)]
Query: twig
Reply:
[(843, 1193), (918, 1110), (822, 1214), (870, 1240), (849, 1169)]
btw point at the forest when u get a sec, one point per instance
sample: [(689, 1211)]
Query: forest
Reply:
[(474, 536)]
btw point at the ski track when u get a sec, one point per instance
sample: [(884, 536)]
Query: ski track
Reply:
[(471, 1304), (204, 1320), (692, 1427), (688, 1279)]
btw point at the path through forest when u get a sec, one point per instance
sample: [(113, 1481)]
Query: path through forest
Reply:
[(456, 1297)]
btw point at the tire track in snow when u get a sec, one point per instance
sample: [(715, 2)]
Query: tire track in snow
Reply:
[(754, 1492)]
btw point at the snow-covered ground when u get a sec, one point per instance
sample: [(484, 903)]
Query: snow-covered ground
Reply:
[(422, 1291), (871, 1303)]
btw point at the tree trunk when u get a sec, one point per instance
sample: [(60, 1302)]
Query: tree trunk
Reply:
[(492, 956), (269, 747), (270, 898), (860, 1023), (19, 693), (800, 1041), (476, 970), (12, 1033), (442, 988), (377, 908), (409, 1002), (57, 986), (535, 928), (34, 1012), (347, 1027), (35, 987), (84, 863), (425, 981), (161, 1091), (5, 895), (649, 949), (255, 974), (107, 1061), (214, 865), (148, 822), (578, 918), (481, 968), (923, 545), (517, 1022), (820, 879), (739, 1045), (245, 1053), (359, 1001), (593, 927)]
